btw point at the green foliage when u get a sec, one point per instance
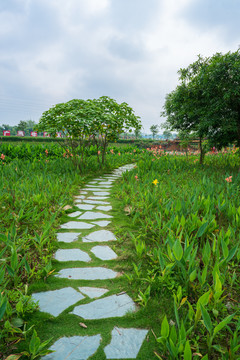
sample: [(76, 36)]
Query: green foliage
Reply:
[(186, 240), (89, 122), (207, 100)]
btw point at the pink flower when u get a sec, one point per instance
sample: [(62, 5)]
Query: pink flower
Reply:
[(229, 179), (119, 154), (111, 151), (99, 152), (136, 177), (2, 157), (46, 151), (134, 150)]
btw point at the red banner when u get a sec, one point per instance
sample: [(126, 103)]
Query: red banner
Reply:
[(58, 135), (6, 133), (45, 134), (34, 133), (20, 133)]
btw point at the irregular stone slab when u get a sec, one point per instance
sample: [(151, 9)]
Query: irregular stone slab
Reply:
[(108, 183), (90, 273), (99, 236), (67, 237), (72, 255), (95, 188), (93, 292), (98, 197), (125, 343), (56, 301), (76, 225), (101, 223), (96, 202), (74, 348), (86, 206), (102, 193), (104, 208), (79, 197), (108, 307), (104, 252), (91, 215), (83, 192), (75, 214)]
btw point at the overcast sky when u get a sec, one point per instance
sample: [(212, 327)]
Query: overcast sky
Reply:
[(52, 51)]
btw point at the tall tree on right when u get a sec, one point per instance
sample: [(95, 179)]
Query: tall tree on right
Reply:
[(207, 100)]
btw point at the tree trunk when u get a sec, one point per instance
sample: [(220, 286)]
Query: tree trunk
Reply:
[(201, 151)]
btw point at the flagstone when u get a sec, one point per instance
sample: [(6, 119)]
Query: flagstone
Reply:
[(93, 292), (98, 198), (101, 223), (55, 302), (96, 202), (95, 189), (125, 343), (72, 255), (104, 252), (74, 348), (75, 214), (76, 225), (91, 215), (99, 236), (108, 307), (79, 197), (83, 192), (101, 193), (67, 237), (104, 208), (86, 206), (89, 273)]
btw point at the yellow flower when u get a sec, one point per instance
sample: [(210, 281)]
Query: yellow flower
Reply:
[(155, 182)]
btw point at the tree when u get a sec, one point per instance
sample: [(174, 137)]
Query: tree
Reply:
[(207, 101), (86, 122), (167, 134), (154, 130)]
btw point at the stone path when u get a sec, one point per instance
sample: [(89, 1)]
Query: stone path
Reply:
[(93, 204)]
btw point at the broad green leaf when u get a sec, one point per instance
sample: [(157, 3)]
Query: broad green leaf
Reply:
[(165, 327), (193, 275), (177, 250), (202, 229), (206, 319), (222, 324), (13, 357), (3, 308), (224, 248), (187, 351)]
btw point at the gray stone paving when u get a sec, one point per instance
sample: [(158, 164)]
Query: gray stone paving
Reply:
[(96, 202), (67, 237), (99, 236), (75, 214), (72, 255), (101, 223), (56, 301), (104, 252), (85, 206), (89, 273), (92, 292), (125, 343), (104, 208), (108, 307), (74, 348), (71, 225), (91, 215)]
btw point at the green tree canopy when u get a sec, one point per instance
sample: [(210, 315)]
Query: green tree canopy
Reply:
[(154, 130), (97, 121), (207, 100)]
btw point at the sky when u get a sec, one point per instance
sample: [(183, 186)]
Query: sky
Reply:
[(52, 51)]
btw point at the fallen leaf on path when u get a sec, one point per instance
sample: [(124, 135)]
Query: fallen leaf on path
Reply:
[(83, 325)]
